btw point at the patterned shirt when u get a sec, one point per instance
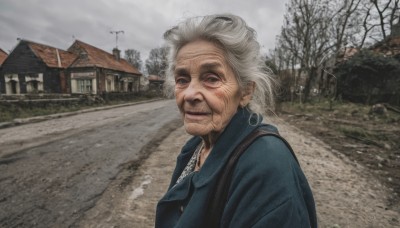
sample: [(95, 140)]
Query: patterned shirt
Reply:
[(191, 165)]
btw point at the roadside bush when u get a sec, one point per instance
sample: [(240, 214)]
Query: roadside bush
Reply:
[(369, 77)]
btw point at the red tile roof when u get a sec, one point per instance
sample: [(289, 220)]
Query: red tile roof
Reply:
[(154, 78), (51, 56), (91, 56), (388, 47), (3, 56), (347, 53)]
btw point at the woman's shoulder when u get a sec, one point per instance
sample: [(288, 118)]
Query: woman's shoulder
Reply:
[(268, 153)]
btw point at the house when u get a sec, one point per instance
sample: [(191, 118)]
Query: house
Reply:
[(37, 68), (32, 67), (96, 71), (3, 56), (391, 45), (155, 83)]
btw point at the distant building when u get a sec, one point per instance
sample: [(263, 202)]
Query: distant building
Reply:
[(3, 56), (37, 68), (155, 82), (391, 45), (96, 71), (387, 89), (32, 67)]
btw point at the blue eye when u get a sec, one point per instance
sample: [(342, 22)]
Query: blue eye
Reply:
[(212, 80), (181, 81)]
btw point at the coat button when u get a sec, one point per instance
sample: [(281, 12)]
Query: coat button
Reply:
[(181, 209)]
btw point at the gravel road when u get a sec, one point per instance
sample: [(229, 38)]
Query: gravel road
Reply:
[(346, 194), (73, 161)]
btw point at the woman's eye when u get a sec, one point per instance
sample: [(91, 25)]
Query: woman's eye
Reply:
[(181, 81), (212, 80)]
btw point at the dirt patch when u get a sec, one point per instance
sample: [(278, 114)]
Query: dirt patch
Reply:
[(371, 140), (130, 200), (346, 192)]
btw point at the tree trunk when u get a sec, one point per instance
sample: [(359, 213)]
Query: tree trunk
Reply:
[(310, 79)]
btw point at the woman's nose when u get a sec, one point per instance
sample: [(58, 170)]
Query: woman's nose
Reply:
[(193, 91)]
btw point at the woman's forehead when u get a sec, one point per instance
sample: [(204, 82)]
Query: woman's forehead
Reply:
[(202, 51), (199, 47)]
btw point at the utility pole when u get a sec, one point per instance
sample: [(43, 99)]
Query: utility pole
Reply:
[(116, 36)]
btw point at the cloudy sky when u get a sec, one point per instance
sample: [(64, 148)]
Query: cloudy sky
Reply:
[(58, 23)]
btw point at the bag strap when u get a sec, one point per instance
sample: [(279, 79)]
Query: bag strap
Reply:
[(218, 201)]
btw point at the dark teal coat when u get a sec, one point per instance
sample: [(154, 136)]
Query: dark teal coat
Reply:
[(268, 188)]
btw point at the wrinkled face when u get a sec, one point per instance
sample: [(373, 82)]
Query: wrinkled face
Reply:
[(206, 90)]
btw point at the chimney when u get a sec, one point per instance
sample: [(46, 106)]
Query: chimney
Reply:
[(116, 53)]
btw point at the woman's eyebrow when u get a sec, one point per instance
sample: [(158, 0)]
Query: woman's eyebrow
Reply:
[(181, 71), (211, 66)]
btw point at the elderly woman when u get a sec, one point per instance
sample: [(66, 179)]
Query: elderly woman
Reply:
[(227, 175)]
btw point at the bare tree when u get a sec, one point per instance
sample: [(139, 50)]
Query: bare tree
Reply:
[(305, 36), (388, 12), (133, 57), (157, 63), (344, 16), (317, 32), (366, 24)]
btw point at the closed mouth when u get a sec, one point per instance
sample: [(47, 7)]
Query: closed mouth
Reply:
[(196, 113)]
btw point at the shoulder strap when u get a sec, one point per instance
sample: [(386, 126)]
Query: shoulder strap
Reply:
[(218, 201)]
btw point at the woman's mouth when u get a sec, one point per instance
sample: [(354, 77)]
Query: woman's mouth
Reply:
[(194, 115)]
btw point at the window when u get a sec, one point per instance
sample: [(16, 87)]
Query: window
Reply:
[(34, 83), (84, 85), (12, 84), (84, 82), (110, 83), (32, 86)]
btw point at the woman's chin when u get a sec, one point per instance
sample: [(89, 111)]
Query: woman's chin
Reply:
[(196, 129)]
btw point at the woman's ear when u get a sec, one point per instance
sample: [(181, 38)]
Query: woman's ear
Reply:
[(247, 93)]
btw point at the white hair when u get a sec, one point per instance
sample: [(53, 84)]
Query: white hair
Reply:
[(240, 47)]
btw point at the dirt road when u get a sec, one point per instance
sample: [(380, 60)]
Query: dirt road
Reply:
[(346, 195), (73, 162)]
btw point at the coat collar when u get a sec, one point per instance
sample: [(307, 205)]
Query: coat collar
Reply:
[(242, 123)]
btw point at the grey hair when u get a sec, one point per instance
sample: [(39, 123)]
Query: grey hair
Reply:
[(241, 50)]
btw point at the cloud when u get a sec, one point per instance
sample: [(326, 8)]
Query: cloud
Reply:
[(57, 23)]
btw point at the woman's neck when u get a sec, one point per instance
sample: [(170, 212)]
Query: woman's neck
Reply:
[(209, 140)]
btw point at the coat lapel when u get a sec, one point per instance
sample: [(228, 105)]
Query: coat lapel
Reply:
[(242, 123)]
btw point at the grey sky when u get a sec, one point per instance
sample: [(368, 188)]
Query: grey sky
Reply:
[(57, 23)]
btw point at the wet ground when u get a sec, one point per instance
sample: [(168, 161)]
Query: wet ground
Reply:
[(73, 161), (346, 194), (110, 168)]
